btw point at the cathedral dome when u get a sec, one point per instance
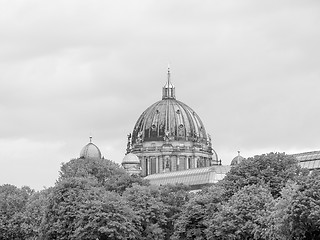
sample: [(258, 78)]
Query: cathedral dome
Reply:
[(169, 118), (90, 151)]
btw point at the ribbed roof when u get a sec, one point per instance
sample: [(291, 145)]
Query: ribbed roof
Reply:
[(90, 151), (310, 160), (196, 176), (169, 117), (237, 159), (307, 156)]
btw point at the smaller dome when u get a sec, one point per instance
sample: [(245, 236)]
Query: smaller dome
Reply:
[(131, 158), (90, 151), (236, 160)]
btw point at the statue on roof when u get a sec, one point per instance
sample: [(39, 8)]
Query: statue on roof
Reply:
[(129, 144)]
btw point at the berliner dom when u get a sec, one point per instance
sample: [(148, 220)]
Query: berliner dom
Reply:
[(169, 136)]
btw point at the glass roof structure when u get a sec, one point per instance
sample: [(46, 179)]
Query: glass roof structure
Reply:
[(310, 160), (195, 178)]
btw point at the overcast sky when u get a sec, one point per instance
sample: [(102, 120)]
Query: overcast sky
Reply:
[(68, 69)]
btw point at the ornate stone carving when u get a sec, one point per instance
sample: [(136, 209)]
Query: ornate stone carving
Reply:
[(139, 137), (129, 143)]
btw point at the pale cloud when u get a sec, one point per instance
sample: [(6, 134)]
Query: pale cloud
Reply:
[(28, 163), (69, 69)]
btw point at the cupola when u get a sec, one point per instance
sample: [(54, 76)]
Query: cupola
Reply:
[(236, 160), (90, 151), (131, 164)]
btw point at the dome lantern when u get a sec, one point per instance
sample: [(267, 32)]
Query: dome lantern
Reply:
[(168, 91)]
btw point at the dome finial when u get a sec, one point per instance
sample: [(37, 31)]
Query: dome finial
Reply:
[(90, 138), (168, 90), (168, 74)]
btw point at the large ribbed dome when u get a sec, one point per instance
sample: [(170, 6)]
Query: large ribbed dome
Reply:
[(169, 118), (172, 118)]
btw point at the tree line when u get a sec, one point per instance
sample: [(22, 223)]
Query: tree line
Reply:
[(264, 197)]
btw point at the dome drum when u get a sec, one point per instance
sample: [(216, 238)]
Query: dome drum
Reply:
[(165, 162)]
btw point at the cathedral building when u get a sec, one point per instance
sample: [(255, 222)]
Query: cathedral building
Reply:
[(169, 136), (169, 144)]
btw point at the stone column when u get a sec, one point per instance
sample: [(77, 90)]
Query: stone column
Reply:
[(157, 164), (160, 164), (143, 166), (193, 162), (149, 165), (174, 163)]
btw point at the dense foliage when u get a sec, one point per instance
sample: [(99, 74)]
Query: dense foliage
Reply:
[(265, 197)]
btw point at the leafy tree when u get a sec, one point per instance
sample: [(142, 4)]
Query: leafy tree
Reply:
[(303, 213), (101, 169), (193, 221), (174, 197), (120, 183), (12, 205), (239, 217), (273, 170), (150, 211), (107, 173), (276, 222), (78, 208)]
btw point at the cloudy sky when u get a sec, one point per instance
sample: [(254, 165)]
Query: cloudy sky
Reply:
[(68, 69)]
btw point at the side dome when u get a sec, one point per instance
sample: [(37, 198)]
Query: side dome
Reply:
[(130, 158), (236, 160), (131, 164), (169, 118), (90, 151)]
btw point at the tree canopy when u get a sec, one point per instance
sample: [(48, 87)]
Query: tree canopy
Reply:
[(107, 173), (266, 197), (273, 169), (80, 209), (13, 202)]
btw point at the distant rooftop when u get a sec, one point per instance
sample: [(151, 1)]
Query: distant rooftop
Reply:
[(310, 160)]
